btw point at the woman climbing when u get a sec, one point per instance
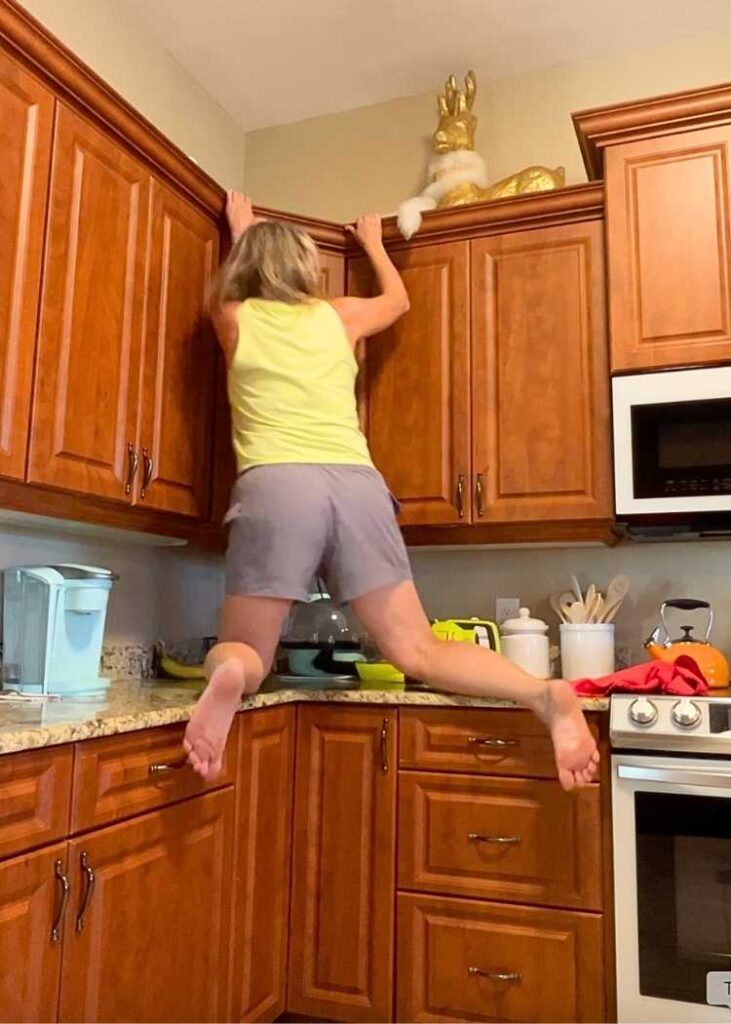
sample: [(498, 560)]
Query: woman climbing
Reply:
[(308, 501)]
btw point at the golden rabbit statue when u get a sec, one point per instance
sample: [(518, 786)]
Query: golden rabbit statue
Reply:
[(457, 175)]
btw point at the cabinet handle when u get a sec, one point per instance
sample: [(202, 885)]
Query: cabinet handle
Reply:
[(479, 494), (133, 465), (495, 975), (477, 837), (65, 893), (149, 467), (90, 882), (491, 741), (166, 768), (460, 495), (384, 745)]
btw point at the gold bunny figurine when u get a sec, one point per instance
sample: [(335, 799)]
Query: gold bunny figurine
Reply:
[(457, 174)]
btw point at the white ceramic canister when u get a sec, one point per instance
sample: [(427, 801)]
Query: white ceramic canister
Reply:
[(587, 650), (524, 641)]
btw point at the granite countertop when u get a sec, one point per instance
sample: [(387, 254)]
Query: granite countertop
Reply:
[(134, 704)]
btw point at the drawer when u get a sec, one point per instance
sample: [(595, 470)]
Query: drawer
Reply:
[(36, 794), (504, 741), (119, 776), (462, 960), (520, 840)]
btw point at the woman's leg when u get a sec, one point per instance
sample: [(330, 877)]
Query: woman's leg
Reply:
[(395, 619), (248, 637)]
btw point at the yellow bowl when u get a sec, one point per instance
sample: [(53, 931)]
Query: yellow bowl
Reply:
[(379, 675)]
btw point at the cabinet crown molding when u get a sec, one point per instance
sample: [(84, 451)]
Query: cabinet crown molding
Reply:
[(642, 119)]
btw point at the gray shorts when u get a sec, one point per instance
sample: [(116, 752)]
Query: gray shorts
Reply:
[(292, 524)]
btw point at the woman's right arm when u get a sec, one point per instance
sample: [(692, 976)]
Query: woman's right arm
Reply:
[(364, 317)]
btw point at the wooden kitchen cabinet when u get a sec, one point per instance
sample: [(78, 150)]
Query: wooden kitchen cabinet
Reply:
[(260, 930), (179, 361), (30, 950), (669, 250), (516, 839), (26, 121), (341, 931), (469, 960), (540, 377), (84, 419), (149, 938), (417, 378), (332, 275)]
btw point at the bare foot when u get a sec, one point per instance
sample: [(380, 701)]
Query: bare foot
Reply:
[(208, 728), (577, 757)]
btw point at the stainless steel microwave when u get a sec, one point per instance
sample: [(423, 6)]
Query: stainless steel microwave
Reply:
[(672, 449)]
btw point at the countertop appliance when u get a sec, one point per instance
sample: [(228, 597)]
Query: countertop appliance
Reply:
[(672, 452), (671, 795), (53, 627)]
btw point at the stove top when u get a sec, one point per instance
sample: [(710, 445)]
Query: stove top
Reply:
[(697, 725)]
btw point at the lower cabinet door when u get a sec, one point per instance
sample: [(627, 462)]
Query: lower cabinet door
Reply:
[(147, 937), (467, 960), (32, 906), (263, 852), (341, 929)]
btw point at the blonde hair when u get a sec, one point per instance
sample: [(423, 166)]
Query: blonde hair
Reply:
[(271, 260)]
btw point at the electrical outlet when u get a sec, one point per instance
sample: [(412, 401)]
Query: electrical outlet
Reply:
[(506, 608)]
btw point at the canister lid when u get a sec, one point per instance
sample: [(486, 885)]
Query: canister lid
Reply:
[(523, 624)]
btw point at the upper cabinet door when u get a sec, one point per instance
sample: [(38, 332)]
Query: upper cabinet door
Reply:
[(26, 122), (85, 402), (180, 359), (540, 379), (332, 275), (668, 208), (418, 385)]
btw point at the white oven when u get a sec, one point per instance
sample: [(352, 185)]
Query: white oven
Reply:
[(672, 443), (672, 857)]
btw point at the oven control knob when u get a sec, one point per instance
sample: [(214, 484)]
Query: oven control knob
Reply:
[(686, 714), (642, 711)]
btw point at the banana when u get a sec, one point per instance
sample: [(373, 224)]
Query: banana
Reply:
[(175, 670)]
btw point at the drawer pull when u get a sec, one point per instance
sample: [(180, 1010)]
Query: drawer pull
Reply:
[(491, 741), (165, 769), (477, 837), (65, 893), (90, 878), (477, 972)]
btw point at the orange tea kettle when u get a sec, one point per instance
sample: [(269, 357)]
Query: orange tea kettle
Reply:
[(709, 659)]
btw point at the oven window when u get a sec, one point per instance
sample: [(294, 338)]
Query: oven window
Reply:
[(682, 449), (683, 893)]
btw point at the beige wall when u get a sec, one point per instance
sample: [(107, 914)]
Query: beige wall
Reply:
[(342, 164), (150, 79)]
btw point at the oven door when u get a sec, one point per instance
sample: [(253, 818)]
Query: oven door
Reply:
[(672, 442), (672, 885)]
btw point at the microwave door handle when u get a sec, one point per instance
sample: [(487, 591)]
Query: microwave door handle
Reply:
[(711, 780)]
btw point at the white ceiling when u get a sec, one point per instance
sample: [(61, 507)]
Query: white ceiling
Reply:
[(271, 63)]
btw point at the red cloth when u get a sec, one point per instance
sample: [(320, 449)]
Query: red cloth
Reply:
[(681, 677)]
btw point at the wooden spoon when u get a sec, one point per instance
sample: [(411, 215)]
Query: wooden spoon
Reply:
[(577, 613), (616, 593), (555, 603)]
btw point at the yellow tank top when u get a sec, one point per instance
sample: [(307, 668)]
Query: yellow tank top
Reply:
[(291, 386)]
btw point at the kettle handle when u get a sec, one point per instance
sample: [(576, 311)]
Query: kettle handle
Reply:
[(688, 604)]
